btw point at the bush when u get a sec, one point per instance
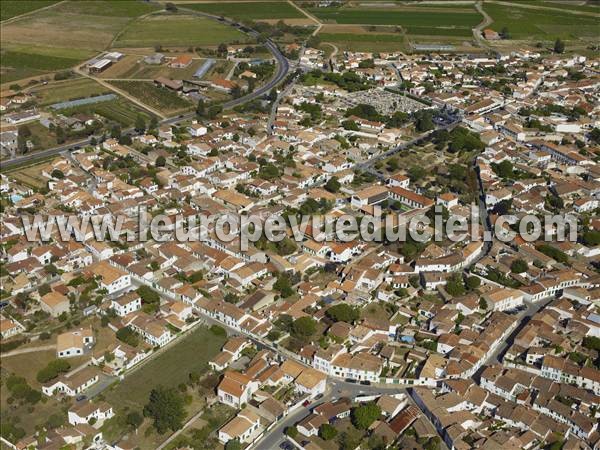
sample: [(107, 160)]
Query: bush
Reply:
[(127, 335), (52, 370), (327, 432)]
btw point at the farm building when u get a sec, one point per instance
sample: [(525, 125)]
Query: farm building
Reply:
[(490, 35), (100, 65), (114, 56), (204, 68), (221, 84), (181, 62), (175, 85), (155, 59)]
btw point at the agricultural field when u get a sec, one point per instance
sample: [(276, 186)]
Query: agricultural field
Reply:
[(365, 41), (119, 110), (177, 30), (419, 17), (250, 11), (61, 91), (527, 23), (561, 4), (18, 64), (13, 8), (43, 41), (156, 97)]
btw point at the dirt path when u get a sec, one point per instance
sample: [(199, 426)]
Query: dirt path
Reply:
[(20, 16), (23, 351), (478, 30), (335, 49), (310, 16)]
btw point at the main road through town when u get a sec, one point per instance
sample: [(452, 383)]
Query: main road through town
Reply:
[(283, 68)]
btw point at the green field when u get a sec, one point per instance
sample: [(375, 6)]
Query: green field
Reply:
[(62, 36), (398, 17), (147, 92), (252, 11), (68, 90), (365, 42), (172, 367), (565, 6), (13, 8), (35, 61), (177, 30), (525, 23), (119, 110)]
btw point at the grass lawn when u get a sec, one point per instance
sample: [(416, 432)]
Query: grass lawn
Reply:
[(525, 23), (156, 97), (13, 8), (251, 11), (172, 367), (68, 90), (177, 30), (30, 175)]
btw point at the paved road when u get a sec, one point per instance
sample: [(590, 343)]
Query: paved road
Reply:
[(283, 67)]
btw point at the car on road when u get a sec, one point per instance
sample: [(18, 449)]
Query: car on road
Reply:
[(306, 403), (81, 398), (350, 380), (286, 445), (366, 382)]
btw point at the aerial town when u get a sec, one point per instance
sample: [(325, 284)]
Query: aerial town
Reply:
[(117, 334)]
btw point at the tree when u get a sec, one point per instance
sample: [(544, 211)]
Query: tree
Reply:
[(504, 33), (134, 419), (291, 432), (153, 123), (222, 49), (350, 125), (170, 7), (483, 304), (200, 108), (160, 161), (140, 123), (52, 370), (342, 312), (473, 282), (363, 416), (127, 335), (327, 432), (283, 285), (333, 185), (518, 266), (559, 46), (147, 294), (595, 135), (304, 327), (60, 135), (166, 408), (455, 286), (56, 173)]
